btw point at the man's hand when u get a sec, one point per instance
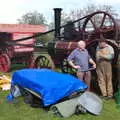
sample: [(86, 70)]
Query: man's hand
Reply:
[(92, 62), (76, 66), (73, 65), (94, 65)]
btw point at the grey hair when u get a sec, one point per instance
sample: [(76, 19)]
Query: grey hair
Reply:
[(81, 41)]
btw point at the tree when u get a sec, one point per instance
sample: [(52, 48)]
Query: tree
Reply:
[(34, 18), (78, 13)]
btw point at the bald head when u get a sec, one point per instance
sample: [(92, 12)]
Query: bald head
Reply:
[(81, 44)]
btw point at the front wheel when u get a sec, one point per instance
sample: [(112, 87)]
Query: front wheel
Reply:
[(44, 62)]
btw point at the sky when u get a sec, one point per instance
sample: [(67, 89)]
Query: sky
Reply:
[(11, 10)]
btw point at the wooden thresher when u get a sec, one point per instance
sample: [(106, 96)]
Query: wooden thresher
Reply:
[(11, 53)]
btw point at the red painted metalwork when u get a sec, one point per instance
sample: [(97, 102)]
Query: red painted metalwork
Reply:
[(22, 28), (60, 49), (106, 25), (5, 63), (15, 53), (23, 49), (30, 61)]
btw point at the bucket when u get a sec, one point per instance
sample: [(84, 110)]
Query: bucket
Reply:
[(117, 98)]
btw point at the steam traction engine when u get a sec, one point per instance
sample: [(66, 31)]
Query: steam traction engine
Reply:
[(88, 29)]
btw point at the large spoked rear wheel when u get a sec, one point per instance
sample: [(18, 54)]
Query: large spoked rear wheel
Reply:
[(100, 22), (44, 62), (5, 63)]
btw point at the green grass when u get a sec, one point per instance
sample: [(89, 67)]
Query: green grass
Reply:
[(18, 110)]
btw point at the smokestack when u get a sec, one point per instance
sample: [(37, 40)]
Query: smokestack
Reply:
[(57, 21)]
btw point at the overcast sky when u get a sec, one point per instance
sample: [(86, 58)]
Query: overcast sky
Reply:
[(11, 10)]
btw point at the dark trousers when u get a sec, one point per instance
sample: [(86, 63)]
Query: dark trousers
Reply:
[(85, 77)]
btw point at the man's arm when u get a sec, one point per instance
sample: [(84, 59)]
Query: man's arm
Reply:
[(92, 62), (108, 56), (73, 65), (70, 60)]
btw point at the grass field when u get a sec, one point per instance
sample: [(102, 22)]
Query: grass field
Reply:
[(18, 110), (21, 111)]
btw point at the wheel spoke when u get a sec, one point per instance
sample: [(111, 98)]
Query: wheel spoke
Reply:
[(103, 19), (95, 28), (42, 60), (47, 64)]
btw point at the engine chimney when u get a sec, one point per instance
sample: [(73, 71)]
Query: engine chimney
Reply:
[(57, 21)]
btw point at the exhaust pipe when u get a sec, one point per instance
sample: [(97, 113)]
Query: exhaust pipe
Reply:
[(57, 21)]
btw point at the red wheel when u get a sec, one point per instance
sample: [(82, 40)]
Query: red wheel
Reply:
[(4, 63), (100, 22), (30, 61)]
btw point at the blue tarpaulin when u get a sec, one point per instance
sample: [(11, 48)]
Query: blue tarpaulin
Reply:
[(50, 85)]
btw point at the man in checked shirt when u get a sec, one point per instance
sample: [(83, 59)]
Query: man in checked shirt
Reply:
[(80, 59)]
